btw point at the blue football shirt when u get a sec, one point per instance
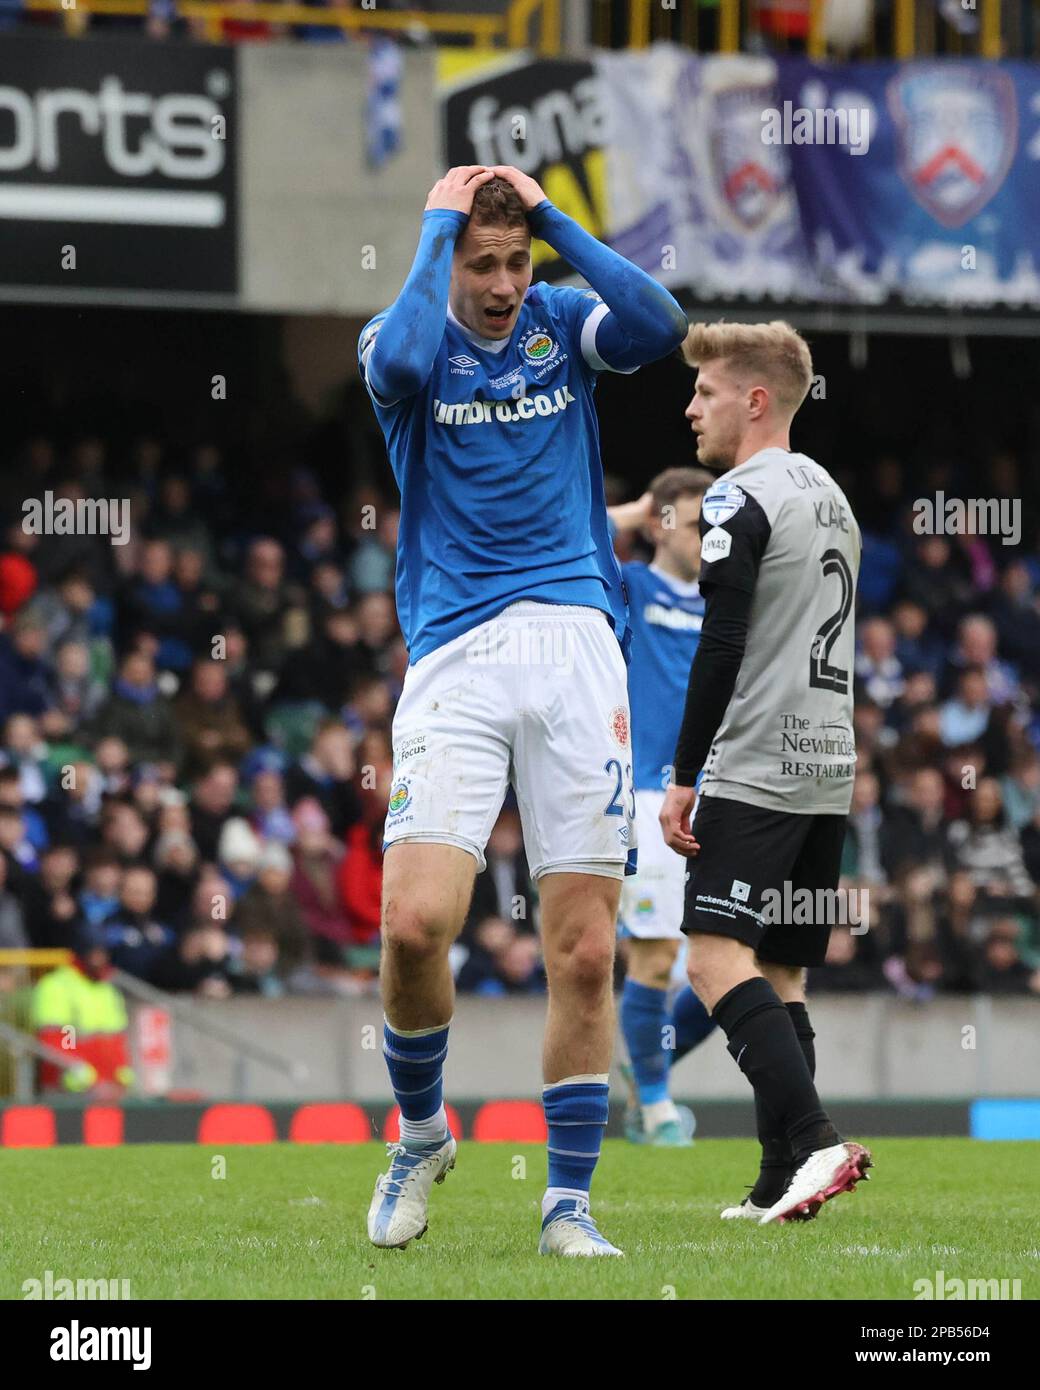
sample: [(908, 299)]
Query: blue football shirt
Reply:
[(665, 617), (497, 461)]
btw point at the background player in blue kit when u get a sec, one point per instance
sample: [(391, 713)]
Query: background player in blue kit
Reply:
[(511, 602), (665, 614)]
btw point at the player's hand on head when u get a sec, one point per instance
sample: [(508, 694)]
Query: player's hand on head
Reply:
[(632, 516), (675, 820), (454, 192), (530, 191)]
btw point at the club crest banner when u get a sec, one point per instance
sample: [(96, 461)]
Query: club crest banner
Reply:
[(943, 204), (762, 178)]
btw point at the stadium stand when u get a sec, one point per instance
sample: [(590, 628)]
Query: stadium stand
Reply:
[(195, 750), (898, 28), (194, 729)]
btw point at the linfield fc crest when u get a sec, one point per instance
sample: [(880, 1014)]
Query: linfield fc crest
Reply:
[(956, 134), (721, 501), (749, 175), (399, 798), (539, 347), (619, 725)]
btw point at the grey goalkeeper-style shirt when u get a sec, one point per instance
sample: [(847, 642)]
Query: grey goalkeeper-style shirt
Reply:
[(779, 562)]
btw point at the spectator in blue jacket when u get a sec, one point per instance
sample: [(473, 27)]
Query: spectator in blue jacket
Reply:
[(26, 685)]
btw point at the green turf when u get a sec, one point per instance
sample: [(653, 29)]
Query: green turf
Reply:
[(287, 1221)]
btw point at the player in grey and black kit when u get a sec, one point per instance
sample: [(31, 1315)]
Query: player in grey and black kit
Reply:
[(768, 719)]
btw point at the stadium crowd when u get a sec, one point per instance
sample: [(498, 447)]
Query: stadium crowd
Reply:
[(195, 754)]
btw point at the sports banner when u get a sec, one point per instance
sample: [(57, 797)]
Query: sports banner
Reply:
[(778, 179), (546, 118), (118, 165), (937, 198)]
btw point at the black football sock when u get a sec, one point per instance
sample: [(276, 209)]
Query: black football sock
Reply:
[(761, 1037), (777, 1156), (804, 1031), (774, 1172)]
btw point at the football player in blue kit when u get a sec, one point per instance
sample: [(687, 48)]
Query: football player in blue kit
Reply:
[(511, 603), (665, 613)]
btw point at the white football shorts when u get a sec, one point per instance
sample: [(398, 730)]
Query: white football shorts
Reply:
[(537, 697), (652, 901)]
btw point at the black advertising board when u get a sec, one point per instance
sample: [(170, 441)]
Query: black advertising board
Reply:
[(545, 118), (118, 165)]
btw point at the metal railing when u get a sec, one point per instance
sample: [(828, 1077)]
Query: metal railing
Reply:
[(725, 26), (34, 958), (16, 1060), (203, 1020), (514, 28), (536, 24), (25, 1047)]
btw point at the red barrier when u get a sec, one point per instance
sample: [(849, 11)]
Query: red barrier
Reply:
[(330, 1124), (237, 1124), (510, 1121), (28, 1127), (102, 1126)]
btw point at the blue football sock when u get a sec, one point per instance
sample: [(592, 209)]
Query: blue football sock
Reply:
[(644, 1018), (692, 1023), (576, 1115), (415, 1061)]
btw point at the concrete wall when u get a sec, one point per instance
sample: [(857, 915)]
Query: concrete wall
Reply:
[(309, 203), (869, 1047)]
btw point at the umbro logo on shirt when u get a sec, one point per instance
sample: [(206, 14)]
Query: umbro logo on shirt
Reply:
[(663, 615), (483, 412), (462, 365)]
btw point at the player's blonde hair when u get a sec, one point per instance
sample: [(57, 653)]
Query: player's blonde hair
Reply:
[(774, 354)]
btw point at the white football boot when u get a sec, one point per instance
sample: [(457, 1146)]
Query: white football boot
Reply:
[(398, 1210), (570, 1230), (824, 1174)]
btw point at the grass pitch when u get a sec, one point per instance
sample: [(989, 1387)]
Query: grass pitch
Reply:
[(287, 1221)]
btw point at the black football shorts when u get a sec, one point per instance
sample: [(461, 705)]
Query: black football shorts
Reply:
[(750, 878)]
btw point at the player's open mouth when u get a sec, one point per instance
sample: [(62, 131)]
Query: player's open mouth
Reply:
[(498, 315)]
